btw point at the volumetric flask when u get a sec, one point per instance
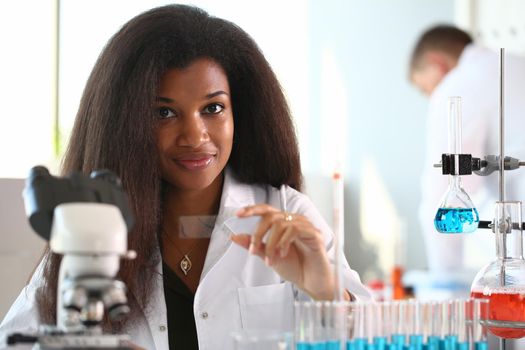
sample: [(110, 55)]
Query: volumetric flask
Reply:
[(456, 213)]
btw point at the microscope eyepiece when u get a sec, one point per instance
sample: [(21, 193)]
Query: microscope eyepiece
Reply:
[(44, 192), (107, 175)]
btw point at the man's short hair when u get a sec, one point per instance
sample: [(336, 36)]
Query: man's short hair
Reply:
[(445, 38)]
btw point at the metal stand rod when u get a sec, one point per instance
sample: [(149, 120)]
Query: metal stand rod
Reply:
[(502, 343), (501, 127)]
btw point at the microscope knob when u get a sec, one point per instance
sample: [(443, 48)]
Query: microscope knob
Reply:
[(118, 311), (38, 171), (106, 175)]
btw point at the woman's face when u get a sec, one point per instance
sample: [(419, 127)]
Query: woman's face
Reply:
[(195, 125)]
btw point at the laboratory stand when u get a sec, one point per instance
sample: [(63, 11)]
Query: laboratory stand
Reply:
[(502, 281)]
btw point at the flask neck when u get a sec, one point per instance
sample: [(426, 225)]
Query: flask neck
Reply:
[(454, 125), (454, 181), (507, 227), (509, 245)]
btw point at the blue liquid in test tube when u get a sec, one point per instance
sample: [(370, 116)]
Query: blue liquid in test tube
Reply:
[(463, 346), (481, 345), (432, 343), (449, 343), (302, 346), (333, 345), (313, 346), (317, 346), (398, 342), (416, 342), (380, 343), (357, 344), (456, 220)]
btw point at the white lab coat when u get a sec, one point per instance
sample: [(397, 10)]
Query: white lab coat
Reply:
[(475, 79), (237, 290)]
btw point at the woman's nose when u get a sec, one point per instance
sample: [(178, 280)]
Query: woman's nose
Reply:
[(193, 132)]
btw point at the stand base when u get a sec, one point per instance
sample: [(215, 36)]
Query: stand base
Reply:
[(85, 342)]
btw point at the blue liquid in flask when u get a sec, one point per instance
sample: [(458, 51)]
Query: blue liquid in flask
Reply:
[(456, 220)]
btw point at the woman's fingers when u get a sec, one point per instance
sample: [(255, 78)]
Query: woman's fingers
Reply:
[(258, 209), (245, 241), (303, 234), (281, 229), (278, 229), (268, 216), (242, 239)]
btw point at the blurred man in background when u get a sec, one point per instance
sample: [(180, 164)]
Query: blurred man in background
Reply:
[(446, 62)]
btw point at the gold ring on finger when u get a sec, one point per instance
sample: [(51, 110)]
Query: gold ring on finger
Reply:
[(288, 216)]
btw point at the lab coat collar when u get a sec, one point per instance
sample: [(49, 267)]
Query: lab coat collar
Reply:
[(235, 195), (471, 51)]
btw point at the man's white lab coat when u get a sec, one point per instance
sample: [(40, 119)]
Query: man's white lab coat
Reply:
[(237, 290), (476, 80)]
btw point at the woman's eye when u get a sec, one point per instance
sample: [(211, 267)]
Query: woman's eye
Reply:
[(164, 112), (214, 108)]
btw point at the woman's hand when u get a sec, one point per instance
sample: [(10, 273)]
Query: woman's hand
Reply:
[(294, 249)]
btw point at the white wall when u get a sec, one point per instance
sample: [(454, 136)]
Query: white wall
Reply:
[(26, 85), (383, 117), (499, 24), (20, 247)]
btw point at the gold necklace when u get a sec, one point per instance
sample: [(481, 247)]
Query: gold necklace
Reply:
[(185, 263), (208, 222)]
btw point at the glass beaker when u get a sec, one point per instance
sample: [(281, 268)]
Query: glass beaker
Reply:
[(456, 213), (502, 281)]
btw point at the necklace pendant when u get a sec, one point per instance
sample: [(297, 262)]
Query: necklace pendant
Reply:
[(185, 264)]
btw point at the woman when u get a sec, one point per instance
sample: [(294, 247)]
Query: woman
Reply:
[(185, 109)]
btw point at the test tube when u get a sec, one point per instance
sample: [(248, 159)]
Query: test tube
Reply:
[(414, 324), (319, 334), (360, 338), (449, 335), (433, 325), (381, 323), (334, 321), (398, 335), (480, 314), (463, 311), (350, 324), (309, 329), (303, 325)]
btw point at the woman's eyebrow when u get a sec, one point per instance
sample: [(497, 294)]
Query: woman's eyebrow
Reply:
[(208, 96), (216, 93), (165, 99)]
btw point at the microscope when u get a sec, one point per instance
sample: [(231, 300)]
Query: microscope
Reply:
[(86, 220)]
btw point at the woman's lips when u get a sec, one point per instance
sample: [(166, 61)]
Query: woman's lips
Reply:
[(195, 162)]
